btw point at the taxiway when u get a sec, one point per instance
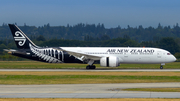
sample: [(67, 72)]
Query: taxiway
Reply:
[(86, 91)]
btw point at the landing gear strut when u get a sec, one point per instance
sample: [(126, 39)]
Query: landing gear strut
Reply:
[(91, 67)]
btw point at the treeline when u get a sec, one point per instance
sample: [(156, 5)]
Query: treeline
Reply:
[(92, 32)]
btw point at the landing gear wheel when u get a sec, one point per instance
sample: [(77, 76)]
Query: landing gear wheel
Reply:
[(161, 67), (91, 67), (88, 67)]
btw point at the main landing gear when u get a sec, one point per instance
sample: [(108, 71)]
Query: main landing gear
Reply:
[(91, 67)]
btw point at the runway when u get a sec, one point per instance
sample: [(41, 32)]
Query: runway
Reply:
[(86, 91), (96, 70)]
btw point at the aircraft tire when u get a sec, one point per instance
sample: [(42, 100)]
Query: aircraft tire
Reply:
[(161, 67), (88, 67), (91, 67)]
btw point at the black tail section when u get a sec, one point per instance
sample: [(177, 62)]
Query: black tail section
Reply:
[(21, 40), (27, 49)]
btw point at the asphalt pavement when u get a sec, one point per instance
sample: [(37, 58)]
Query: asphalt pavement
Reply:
[(86, 91)]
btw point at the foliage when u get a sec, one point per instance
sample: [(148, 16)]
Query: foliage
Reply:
[(89, 32)]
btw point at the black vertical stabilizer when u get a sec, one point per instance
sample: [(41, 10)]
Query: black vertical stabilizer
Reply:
[(21, 40)]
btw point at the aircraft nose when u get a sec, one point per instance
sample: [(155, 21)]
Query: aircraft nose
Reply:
[(174, 58)]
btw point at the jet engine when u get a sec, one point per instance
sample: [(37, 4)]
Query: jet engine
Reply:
[(109, 61)]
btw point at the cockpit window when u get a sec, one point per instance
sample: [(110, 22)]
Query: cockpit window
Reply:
[(168, 53)]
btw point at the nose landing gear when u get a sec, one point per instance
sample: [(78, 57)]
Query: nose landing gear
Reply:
[(162, 64), (161, 67)]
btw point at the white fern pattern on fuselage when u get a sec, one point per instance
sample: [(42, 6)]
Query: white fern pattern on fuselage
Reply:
[(47, 54)]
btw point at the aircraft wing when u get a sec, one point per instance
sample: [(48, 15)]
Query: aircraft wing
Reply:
[(80, 55)]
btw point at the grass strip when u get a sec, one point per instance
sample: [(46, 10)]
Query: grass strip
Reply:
[(83, 79), (154, 89), (84, 99), (34, 65)]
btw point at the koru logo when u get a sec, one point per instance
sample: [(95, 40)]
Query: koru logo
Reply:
[(20, 38)]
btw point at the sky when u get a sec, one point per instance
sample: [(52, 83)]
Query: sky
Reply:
[(111, 13)]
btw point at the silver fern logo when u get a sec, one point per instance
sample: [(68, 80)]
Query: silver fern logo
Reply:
[(20, 38), (46, 54)]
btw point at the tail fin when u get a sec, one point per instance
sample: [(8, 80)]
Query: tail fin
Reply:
[(21, 40)]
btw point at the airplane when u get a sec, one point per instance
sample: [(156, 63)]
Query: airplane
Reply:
[(107, 56)]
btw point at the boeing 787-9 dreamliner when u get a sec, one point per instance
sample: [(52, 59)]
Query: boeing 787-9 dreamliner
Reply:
[(107, 56)]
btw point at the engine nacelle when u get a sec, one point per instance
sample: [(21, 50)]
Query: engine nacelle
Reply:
[(109, 61)]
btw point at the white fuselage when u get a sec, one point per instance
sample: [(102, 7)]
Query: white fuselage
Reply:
[(126, 54)]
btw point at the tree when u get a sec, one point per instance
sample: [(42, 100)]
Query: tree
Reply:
[(169, 44), (40, 38), (105, 37)]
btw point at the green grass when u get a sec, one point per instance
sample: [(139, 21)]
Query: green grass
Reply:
[(33, 64), (83, 79), (154, 89)]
